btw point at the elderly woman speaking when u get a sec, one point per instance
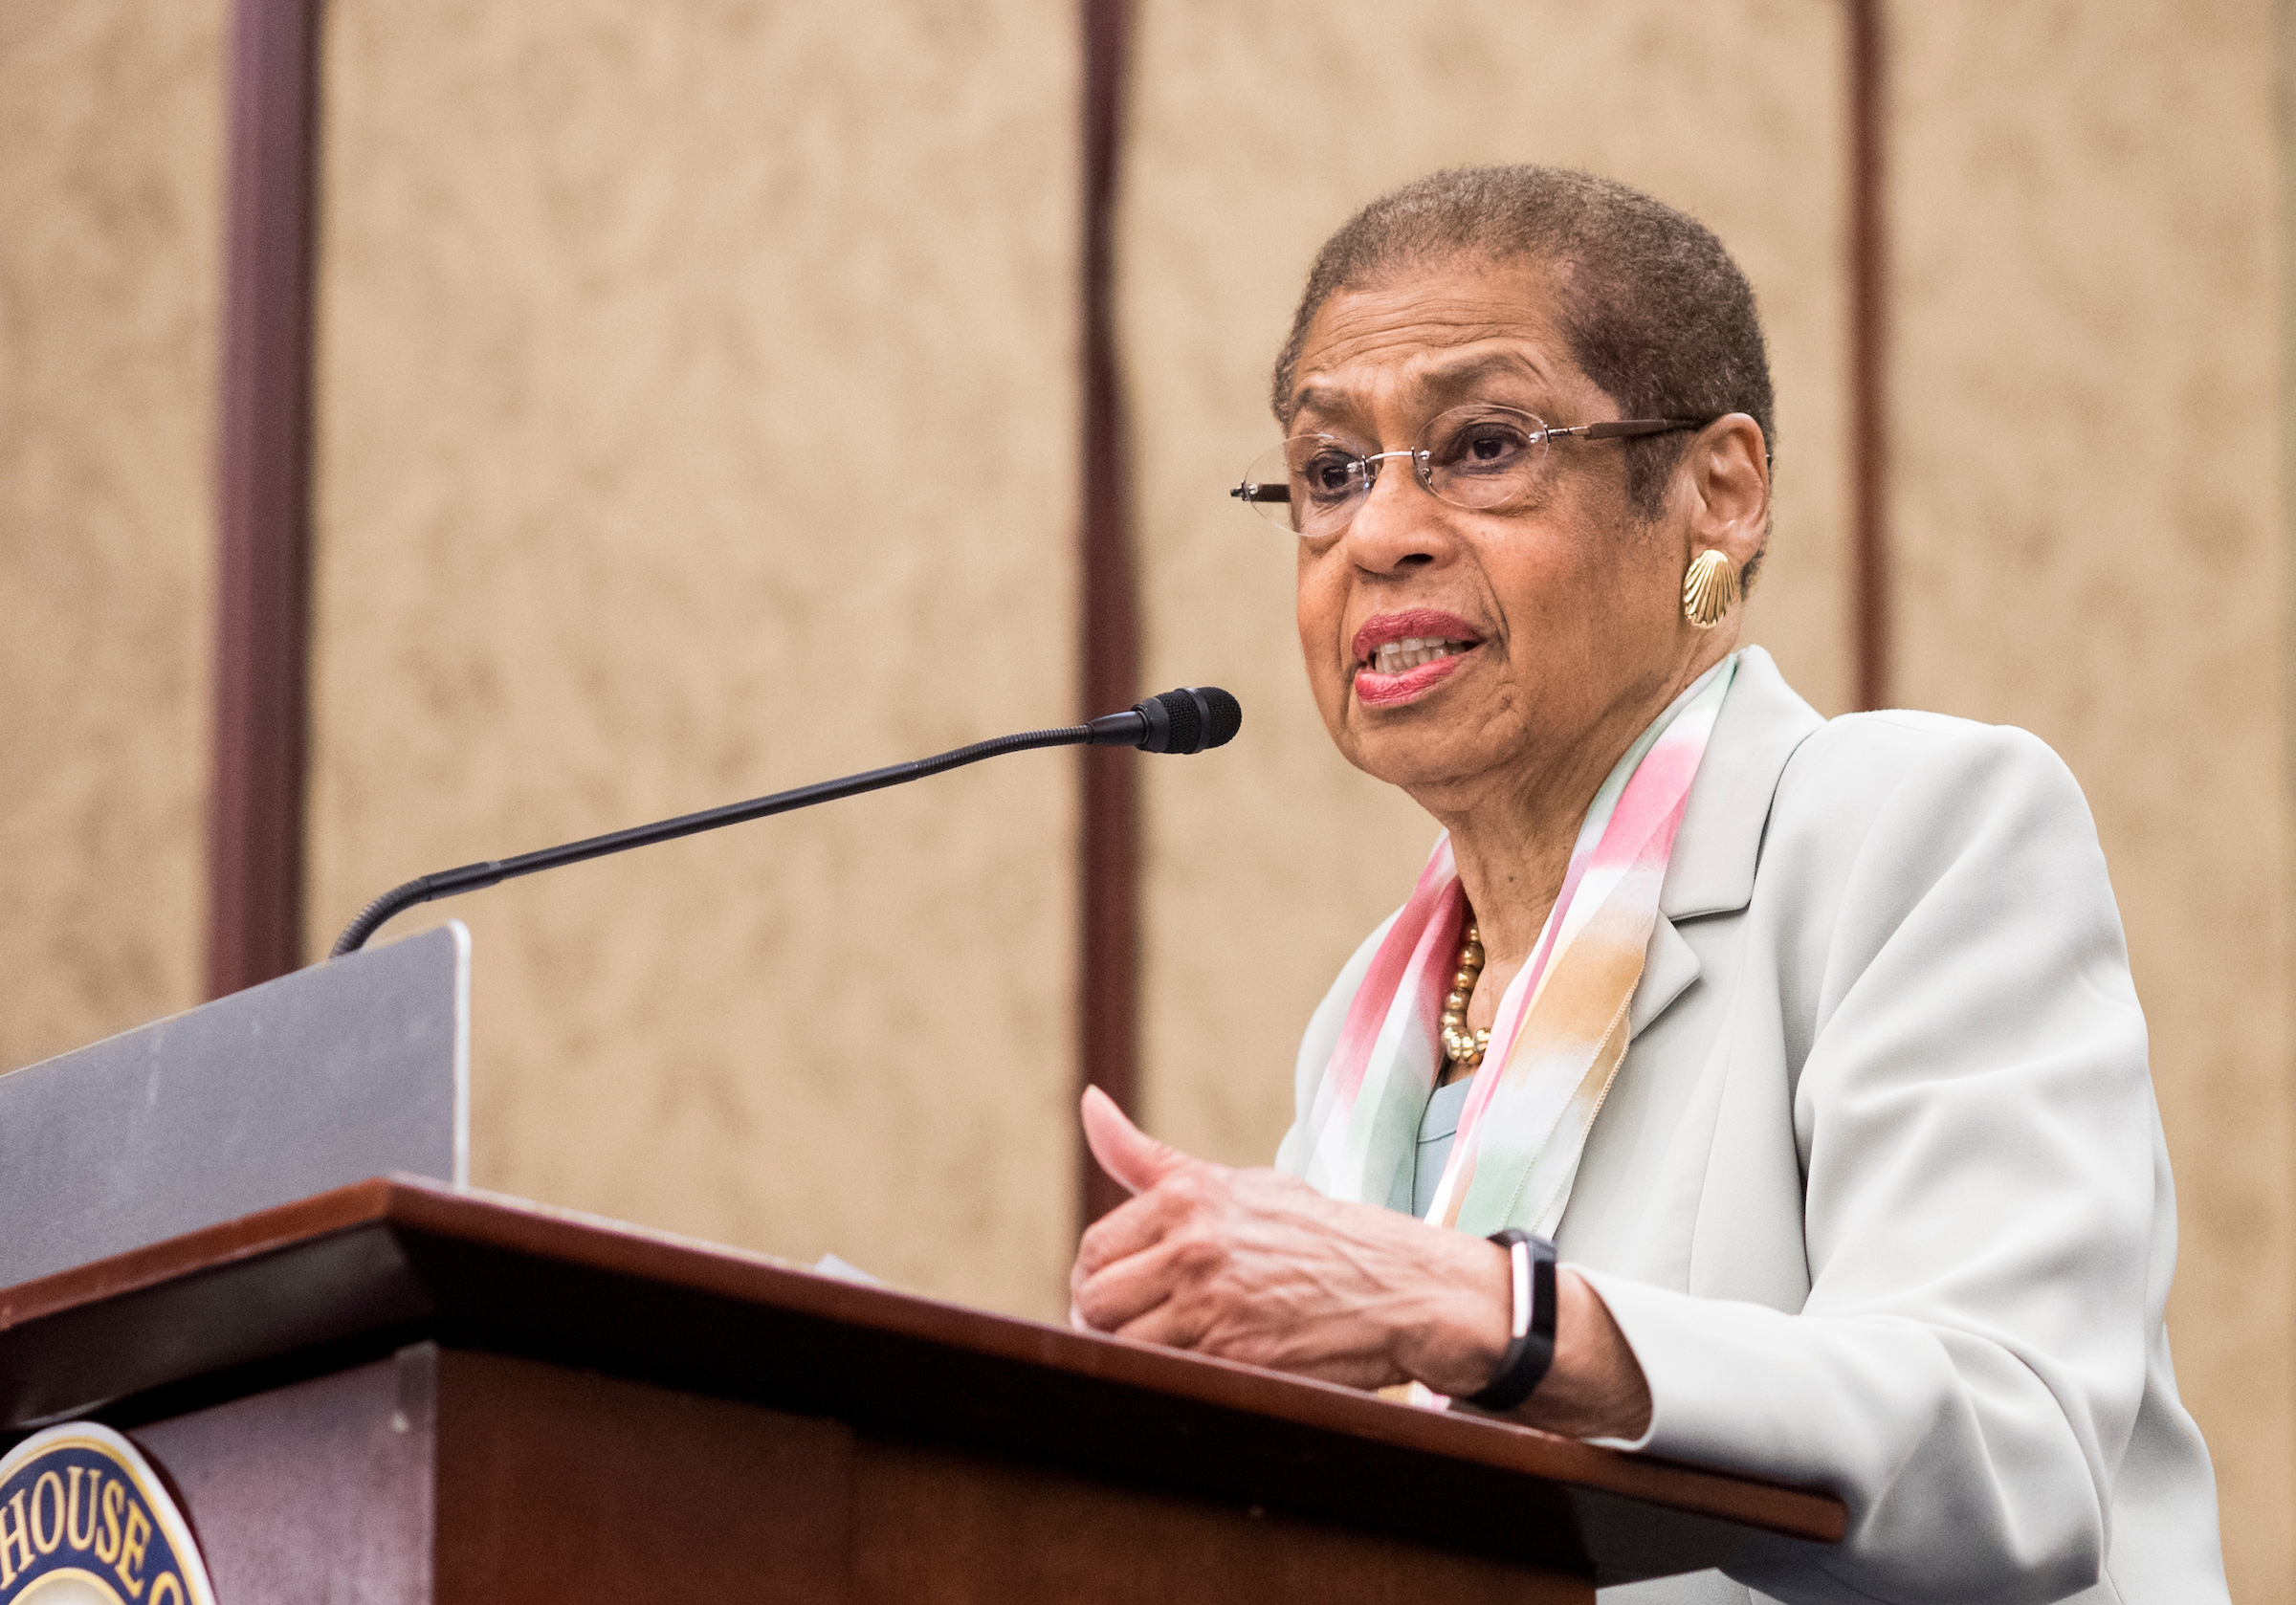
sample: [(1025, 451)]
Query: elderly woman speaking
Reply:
[(1747, 1087)]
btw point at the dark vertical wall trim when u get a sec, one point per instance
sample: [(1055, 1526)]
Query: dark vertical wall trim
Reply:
[(256, 842), (1869, 360), (1111, 645)]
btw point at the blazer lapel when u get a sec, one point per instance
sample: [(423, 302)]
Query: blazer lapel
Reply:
[(1720, 842), (1668, 967), (1719, 845)]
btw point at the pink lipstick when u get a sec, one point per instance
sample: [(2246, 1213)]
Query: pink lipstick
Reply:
[(1399, 657)]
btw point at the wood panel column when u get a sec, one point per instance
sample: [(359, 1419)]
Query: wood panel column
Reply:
[(1108, 966), (1869, 360), (255, 820)]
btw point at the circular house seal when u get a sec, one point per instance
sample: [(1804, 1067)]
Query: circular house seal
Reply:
[(85, 1521)]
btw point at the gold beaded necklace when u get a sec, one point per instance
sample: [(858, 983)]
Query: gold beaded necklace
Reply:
[(1463, 1047)]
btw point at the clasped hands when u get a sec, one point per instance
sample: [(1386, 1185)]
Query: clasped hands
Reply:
[(1258, 1266)]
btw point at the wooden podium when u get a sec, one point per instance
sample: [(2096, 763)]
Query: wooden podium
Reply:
[(406, 1392)]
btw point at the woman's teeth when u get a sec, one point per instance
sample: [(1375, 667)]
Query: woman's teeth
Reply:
[(1412, 650)]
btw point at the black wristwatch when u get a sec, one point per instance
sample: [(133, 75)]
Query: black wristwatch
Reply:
[(1531, 1333)]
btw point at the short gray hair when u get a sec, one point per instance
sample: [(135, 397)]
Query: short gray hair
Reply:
[(1655, 310)]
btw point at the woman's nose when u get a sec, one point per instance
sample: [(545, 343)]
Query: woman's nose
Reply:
[(1398, 523)]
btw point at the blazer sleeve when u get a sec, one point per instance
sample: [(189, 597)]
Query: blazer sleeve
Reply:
[(1987, 1217)]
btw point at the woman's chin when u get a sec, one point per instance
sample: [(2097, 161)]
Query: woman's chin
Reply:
[(1431, 770), (1426, 745)]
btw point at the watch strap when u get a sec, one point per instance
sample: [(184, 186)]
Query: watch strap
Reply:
[(1530, 1330)]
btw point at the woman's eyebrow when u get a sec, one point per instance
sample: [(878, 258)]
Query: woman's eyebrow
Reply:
[(1325, 403), (1440, 383), (1447, 380)]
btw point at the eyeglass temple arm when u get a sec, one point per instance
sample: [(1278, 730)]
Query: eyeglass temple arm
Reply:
[(1627, 428), (1247, 492)]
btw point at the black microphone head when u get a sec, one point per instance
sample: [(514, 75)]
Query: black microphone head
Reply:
[(1223, 717), (1189, 720)]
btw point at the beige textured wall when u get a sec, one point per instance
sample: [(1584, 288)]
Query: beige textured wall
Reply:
[(1254, 130), (696, 419), (2089, 544), (111, 118)]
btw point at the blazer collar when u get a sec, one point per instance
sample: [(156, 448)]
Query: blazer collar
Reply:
[(1720, 842)]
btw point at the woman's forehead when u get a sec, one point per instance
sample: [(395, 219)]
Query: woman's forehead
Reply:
[(1455, 332)]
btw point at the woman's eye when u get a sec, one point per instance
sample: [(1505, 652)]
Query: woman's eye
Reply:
[(1482, 447), (1328, 475)]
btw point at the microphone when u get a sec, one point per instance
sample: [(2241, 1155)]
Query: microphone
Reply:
[(1192, 720), (1188, 720)]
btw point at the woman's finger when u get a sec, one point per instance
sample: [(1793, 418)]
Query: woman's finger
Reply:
[(1122, 1292), (1135, 1159), (1129, 1229)]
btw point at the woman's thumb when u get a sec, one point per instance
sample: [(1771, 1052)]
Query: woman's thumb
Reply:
[(1130, 1154)]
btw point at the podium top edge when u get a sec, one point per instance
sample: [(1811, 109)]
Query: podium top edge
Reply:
[(455, 1262)]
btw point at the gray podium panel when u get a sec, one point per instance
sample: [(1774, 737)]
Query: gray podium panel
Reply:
[(352, 1068)]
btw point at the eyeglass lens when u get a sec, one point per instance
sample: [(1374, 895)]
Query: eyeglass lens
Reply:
[(1478, 457)]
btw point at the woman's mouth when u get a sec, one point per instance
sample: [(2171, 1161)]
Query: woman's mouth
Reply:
[(1396, 656), (1405, 670), (1402, 656)]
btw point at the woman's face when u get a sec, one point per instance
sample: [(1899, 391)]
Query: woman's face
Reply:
[(1558, 618)]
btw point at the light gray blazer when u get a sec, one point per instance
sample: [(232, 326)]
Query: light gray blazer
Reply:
[(1880, 1196)]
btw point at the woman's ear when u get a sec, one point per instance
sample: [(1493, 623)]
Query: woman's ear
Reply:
[(1727, 466)]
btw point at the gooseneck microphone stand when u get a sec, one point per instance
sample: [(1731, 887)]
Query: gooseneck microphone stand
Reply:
[(1188, 720)]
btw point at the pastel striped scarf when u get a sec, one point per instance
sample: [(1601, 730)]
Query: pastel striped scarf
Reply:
[(1561, 1029)]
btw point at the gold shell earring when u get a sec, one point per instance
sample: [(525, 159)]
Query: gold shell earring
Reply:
[(1709, 591)]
